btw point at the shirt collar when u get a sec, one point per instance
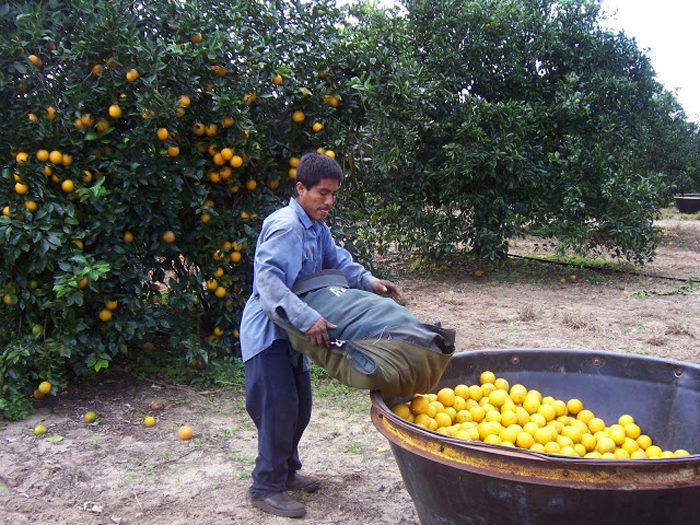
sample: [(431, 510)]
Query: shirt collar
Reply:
[(303, 217)]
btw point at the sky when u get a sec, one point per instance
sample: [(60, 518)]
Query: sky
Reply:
[(668, 32)]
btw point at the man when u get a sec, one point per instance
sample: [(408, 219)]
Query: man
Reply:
[(294, 242)]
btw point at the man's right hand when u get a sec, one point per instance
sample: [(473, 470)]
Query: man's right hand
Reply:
[(318, 333)]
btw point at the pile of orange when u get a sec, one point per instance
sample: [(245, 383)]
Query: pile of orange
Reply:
[(495, 412)]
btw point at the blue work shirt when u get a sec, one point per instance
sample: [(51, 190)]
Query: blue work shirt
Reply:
[(290, 246)]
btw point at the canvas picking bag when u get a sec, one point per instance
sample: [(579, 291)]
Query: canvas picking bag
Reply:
[(377, 345)]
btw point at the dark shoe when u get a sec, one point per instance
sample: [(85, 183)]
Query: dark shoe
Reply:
[(280, 504), (303, 483)]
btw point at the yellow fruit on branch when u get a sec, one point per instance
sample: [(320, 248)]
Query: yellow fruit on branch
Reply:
[(298, 116), (115, 111), (168, 237)]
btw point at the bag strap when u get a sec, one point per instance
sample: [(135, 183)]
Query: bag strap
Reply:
[(318, 280)]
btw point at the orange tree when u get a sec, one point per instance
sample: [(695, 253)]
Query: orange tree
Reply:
[(141, 145), (517, 117)]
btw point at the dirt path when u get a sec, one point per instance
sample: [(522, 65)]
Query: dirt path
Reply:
[(118, 471)]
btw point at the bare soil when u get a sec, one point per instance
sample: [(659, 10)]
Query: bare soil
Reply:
[(118, 471)]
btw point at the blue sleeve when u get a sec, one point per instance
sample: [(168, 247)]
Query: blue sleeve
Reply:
[(278, 259)]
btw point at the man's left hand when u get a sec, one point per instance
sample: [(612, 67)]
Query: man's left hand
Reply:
[(383, 287)]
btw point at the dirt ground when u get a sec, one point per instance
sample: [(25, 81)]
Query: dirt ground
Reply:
[(118, 471)]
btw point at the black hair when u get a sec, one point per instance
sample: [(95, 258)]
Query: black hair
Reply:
[(316, 166)]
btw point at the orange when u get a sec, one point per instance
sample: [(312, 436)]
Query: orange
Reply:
[(198, 129), (184, 433), (236, 161), (643, 441), (298, 116), (197, 37), (50, 113), (173, 151), (226, 153), (443, 419), (56, 157), (42, 155), (105, 315), (585, 415), (21, 188), (115, 111), (574, 406), (220, 292), (317, 126), (132, 75), (605, 444), (211, 130), (162, 133), (111, 305), (149, 421), (67, 186), (419, 404), (185, 100), (39, 430), (596, 424), (67, 160), (446, 396), (487, 377), (44, 387), (35, 60), (128, 236), (90, 417), (401, 410), (31, 205), (277, 79), (168, 237)]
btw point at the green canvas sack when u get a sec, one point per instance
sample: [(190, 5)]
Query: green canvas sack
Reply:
[(377, 345)]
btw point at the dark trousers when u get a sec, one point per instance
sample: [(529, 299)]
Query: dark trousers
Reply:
[(278, 399)]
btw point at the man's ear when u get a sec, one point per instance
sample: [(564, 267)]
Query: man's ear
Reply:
[(299, 187)]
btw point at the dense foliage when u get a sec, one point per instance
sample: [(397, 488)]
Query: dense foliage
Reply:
[(143, 142)]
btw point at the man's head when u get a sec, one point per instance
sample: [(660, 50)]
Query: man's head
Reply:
[(317, 183)]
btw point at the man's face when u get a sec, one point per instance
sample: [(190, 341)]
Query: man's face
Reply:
[(318, 200)]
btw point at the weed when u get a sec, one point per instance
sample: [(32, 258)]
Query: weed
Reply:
[(129, 478), (354, 447), (229, 432), (200, 440), (241, 474)]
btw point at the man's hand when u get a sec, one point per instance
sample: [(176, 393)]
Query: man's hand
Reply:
[(318, 333), (383, 287)]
